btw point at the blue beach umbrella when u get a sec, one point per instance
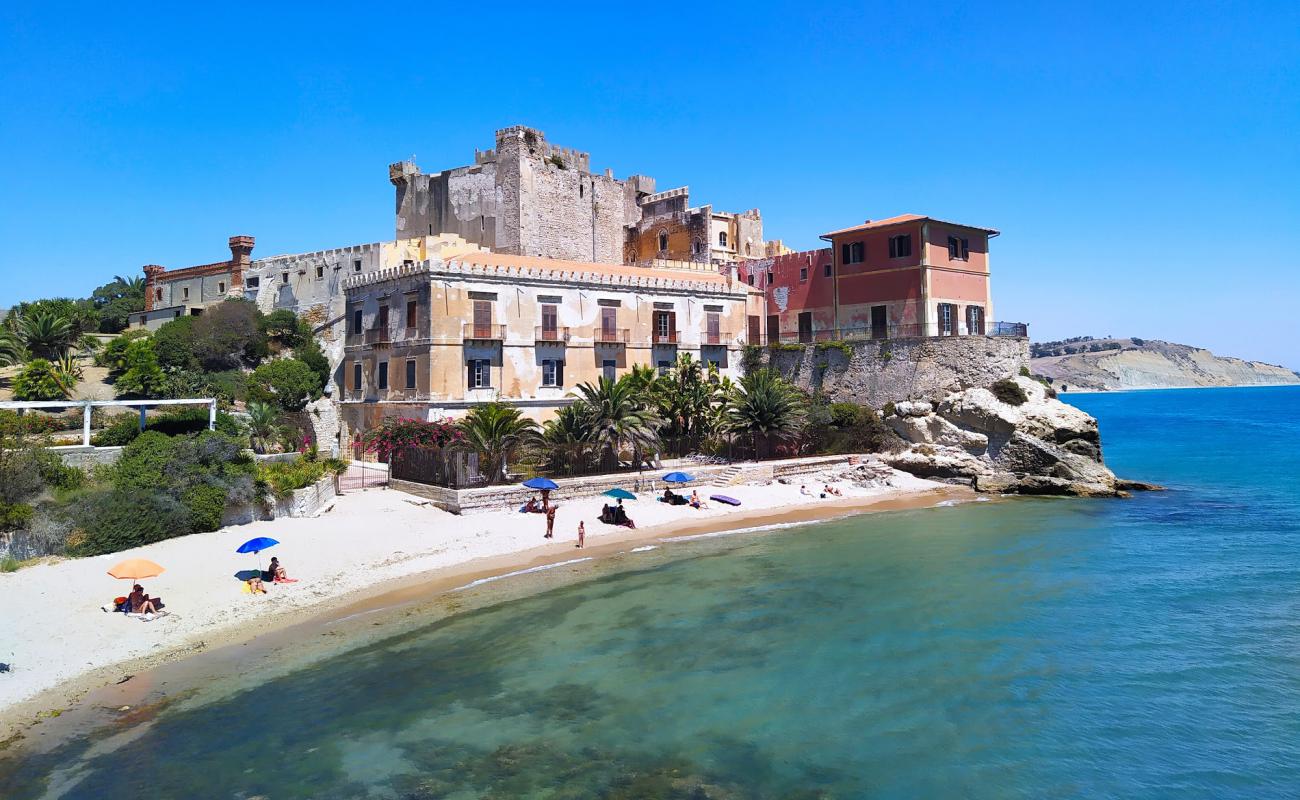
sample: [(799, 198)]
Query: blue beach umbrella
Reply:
[(256, 546), (619, 493), (541, 483), (679, 477)]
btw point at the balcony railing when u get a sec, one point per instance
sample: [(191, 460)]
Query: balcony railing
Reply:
[(483, 333), (610, 335), (557, 334), (930, 330), (378, 336), (716, 337), (664, 337)]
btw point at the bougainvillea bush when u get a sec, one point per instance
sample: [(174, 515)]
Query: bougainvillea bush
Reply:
[(400, 434)]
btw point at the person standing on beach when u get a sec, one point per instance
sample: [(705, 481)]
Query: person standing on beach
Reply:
[(582, 534), (550, 523)]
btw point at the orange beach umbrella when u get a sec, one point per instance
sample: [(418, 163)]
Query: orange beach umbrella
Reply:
[(134, 569)]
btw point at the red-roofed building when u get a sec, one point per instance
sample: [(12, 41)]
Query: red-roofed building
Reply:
[(906, 276)]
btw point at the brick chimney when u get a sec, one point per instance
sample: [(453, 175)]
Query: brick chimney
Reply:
[(241, 247), (151, 273)]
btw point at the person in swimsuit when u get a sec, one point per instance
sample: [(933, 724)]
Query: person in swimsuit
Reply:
[(550, 523), (139, 602), (582, 534)]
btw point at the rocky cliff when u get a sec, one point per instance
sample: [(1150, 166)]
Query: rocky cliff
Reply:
[(1100, 364), (1039, 446)]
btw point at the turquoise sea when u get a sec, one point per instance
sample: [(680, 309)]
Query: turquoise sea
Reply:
[(1033, 648)]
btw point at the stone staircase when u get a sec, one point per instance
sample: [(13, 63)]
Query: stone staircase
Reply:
[(743, 473)]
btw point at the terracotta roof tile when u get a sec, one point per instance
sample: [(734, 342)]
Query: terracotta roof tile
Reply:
[(559, 265), (899, 220)]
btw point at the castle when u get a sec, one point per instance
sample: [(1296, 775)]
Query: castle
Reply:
[(524, 274)]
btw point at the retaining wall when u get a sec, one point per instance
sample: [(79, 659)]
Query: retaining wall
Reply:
[(876, 372)]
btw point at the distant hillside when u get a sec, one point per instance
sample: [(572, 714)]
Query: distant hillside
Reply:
[(1085, 363)]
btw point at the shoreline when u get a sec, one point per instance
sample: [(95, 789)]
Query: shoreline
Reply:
[(221, 655), (1176, 388)]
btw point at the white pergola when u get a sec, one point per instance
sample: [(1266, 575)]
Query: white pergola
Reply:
[(86, 405)]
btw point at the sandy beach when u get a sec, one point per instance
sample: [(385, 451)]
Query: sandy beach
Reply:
[(372, 549)]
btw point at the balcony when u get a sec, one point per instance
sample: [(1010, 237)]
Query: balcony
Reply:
[(610, 335), (665, 337), (474, 332), (716, 337), (556, 335), (378, 337)]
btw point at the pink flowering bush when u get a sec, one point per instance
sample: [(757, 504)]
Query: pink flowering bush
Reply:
[(395, 435)]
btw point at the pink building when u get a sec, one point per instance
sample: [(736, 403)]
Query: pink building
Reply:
[(906, 276)]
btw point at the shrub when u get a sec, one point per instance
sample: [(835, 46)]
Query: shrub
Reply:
[(1009, 392), (124, 428), (1138, 342), (888, 410), (142, 377), (118, 519), (285, 477), (399, 434), (286, 382), (1024, 372), (843, 347), (113, 354), (143, 464), (174, 344), (848, 415), (8, 564), (310, 354), (35, 423), (40, 380), (229, 335), (283, 329), (206, 504), (14, 515)]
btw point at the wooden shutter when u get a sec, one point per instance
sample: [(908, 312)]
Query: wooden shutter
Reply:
[(845, 251), (559, 372)]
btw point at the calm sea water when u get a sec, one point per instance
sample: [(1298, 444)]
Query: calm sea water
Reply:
[(1026, 649)]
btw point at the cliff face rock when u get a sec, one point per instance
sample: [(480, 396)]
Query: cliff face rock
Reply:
[(1042, 446), (1100, 364)]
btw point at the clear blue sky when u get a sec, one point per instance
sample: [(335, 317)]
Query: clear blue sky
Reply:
[(1142, 162)]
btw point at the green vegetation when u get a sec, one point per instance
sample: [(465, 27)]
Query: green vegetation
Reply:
[(284, 478), (768, 408), (122, 429), (496, 431), (43, 380), (842, 347), (142, 376), (116, 301), (285, 382), (1009, 392)]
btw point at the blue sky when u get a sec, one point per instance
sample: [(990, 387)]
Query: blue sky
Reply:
[(1142, 160)]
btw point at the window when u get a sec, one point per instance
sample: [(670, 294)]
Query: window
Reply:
[(221, 287), (320, 271), (356, 320), (186, 293), (550, 323), (713, 328), (769, 277), (552, 372), (383, 375), (664, 366), (480, 373), (695, 247), (975, 320), (410, 373), (851, 253), (580, 188), (609, 369), (826, 270), (412, 311), (947, 319), (482, 319), (722, 238), (663, 241), (750, 279), (157, 294), (284, 277), (608, 324), (356, 265), (803, 274), (958, 249), (356, 376), (900, 246), (381, 324), (665, 323), (252, 283)]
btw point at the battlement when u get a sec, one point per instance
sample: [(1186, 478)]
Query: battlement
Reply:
[(680, 191), (401, 170)]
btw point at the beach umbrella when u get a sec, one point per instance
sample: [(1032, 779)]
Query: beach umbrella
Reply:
[(679, 477), (619, 493), (256, 546), (541, 483), (136, 569)]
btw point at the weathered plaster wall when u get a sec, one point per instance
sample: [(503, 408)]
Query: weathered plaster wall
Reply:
[(879, 372)]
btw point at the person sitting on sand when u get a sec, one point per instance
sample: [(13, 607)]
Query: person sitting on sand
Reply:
[(531, 506), (803, 490), (140, 603), (276, 574), (621, 517), (828, 489), (696, 502), (255, 585), (668, 495)]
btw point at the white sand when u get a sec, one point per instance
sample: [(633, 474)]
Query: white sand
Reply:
[(53, 630)]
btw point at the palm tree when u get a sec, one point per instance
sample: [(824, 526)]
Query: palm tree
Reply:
[(45, 334), (496, 431), (11, 349), (565, 441), (767, 407), (615, 418), (262, 419), (688, 397)]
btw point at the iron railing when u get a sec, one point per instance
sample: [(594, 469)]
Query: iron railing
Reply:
[(602, 335), (929, 330), (473, 331), (664, 337), (556, 334), (716, 337), (378, 336)]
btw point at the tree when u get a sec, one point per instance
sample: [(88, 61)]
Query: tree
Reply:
[(80, 315), (286, 382), (615, 419), (767, 407), (229, 335), (113, 355), (11, 349), (309, 353), (141, 376), (262, 419), (283, 328), (496, 431), (689, 397), (174, 344), (116, 301), (44, 333), (566, 440), (40, 380)]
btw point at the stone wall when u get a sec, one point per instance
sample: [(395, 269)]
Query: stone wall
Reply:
[(876, 372), (87, 457)]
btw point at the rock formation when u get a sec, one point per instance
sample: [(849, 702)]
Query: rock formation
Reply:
[(1093, 364), (1041, 446)]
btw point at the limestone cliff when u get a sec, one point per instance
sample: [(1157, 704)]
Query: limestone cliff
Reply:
[(1040, 446), (1101, 364)]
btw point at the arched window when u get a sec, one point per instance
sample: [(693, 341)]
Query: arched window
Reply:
[(663, 241), (722, 238)]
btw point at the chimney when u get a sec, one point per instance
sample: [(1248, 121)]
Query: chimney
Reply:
[(240, 249), (151, 273)]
